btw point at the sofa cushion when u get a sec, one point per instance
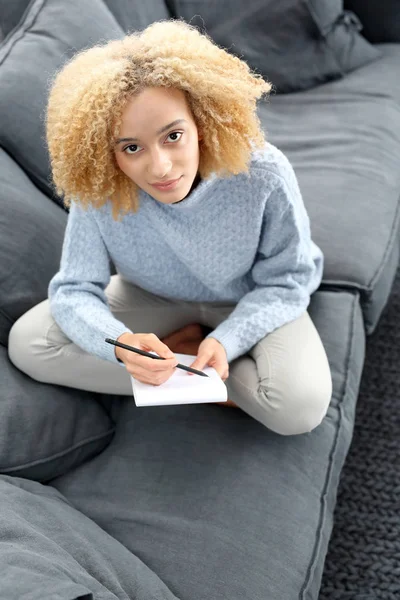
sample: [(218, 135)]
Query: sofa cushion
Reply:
[(208, 491), (343, 139), (31, 235), (380, 20), (46, 430), (294, 45), (48, 35), (10, 14), (135, 15), (50, 550)]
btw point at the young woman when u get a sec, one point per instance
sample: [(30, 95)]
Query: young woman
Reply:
[(157, 149)]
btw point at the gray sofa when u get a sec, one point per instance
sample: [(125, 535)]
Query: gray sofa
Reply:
[(102, 500)]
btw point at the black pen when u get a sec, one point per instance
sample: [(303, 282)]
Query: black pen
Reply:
[(149, 355)]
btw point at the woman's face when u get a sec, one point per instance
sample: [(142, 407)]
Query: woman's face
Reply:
[(153, 148)]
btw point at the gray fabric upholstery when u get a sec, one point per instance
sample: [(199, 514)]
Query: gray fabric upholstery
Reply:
[(29, 259), (44, 430), (11, 12), (47, 430), (195, 501), (73, 26), (294, 45), (215, 504), (134, 16), (380, 20), (343, 139), (50, 550)]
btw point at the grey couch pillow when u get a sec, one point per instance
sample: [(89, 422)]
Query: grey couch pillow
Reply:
[(44, 430), (134, 15), (380, 20), (49, 34), (31, 235), (293, 44), (11, 12), (47, 430), (51, 551)]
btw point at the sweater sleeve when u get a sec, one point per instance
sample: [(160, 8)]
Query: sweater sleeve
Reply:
[(76, 293), (283, 273)]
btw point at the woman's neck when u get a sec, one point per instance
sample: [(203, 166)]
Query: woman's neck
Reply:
[(195, 183)]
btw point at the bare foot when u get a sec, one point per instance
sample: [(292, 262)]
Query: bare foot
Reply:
[(227, 403), (185, 340)]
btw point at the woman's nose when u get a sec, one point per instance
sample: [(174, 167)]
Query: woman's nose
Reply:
[(160, 165)]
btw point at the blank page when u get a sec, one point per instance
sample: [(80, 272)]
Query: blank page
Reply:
[(182, 388)]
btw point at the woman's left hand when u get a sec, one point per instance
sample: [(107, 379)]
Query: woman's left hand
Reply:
[(211, 353)]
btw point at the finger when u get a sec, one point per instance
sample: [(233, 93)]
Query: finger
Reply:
[(138, 372), (221, 370), (152, 364), (225, 375), (146, 362), (201, 360), (148, 377), (155, 344)]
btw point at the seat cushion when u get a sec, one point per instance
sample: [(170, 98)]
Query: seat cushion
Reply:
[(294, 45), (50, 550), (343, 139), (214, 503)]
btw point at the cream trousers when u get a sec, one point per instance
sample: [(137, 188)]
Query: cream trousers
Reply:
[(284, 382)]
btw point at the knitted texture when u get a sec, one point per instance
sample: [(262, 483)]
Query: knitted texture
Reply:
[(363, 560), (243, 240)]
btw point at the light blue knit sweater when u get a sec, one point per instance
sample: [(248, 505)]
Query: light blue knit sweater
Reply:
[(243, 240)]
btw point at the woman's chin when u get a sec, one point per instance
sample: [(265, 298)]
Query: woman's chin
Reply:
[(175, 196)]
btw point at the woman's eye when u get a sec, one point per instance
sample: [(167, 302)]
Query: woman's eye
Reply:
[(130, 147), (175, 133)]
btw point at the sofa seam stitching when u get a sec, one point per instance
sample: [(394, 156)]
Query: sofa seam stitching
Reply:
[(58, 454), (26, 22), (311, 567), (389, 246)]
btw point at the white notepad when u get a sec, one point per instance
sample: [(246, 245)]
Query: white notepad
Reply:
[(182, 388)]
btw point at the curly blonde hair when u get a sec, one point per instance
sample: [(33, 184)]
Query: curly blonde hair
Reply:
[(88, 94)]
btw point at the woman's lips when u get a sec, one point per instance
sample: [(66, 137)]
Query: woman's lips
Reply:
[(168, 186)]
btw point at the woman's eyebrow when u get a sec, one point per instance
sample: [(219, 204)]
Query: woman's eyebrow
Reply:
[(159, 132)]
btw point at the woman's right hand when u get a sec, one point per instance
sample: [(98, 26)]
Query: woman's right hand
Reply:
[(142, 368)]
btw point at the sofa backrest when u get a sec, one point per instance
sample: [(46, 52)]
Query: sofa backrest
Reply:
[(295, 45)]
